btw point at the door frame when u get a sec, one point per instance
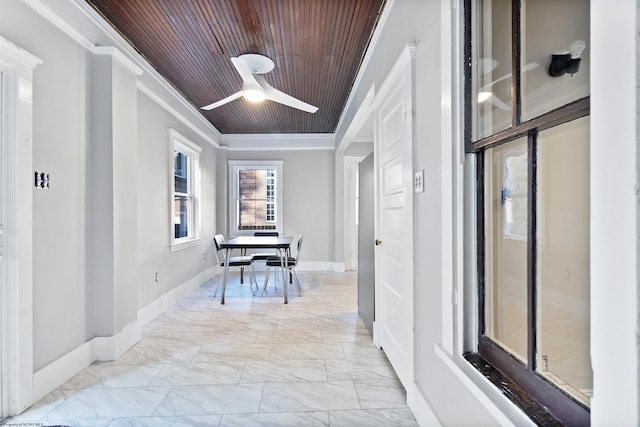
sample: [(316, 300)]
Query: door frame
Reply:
[(351, 241), (402, 70), (16, 212)]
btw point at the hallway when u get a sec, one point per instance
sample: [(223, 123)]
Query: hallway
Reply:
[(251, 362)]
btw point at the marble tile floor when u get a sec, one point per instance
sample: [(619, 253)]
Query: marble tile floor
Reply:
[(251, 362)]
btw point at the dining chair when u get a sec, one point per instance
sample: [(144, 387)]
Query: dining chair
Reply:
[(234, 261), (292, 262)]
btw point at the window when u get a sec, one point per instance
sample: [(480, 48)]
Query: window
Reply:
[(255, 189), (271, 196), (529, 132), (185, 189)]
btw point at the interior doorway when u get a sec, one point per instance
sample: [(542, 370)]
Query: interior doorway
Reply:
[(2, 244), (393, 329), (366, 239), (352, 211)]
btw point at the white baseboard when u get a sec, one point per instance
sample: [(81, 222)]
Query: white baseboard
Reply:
[(60, 370), (110, 348), (65, 367), (337, 267), (422, 412), (149, 312), (317, 266)]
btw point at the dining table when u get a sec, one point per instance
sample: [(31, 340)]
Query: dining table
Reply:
[(281, 243)]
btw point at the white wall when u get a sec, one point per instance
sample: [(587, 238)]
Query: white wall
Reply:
[(614, 213), (154, 222)]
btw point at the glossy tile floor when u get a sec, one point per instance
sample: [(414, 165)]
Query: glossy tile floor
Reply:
[(251, 362)]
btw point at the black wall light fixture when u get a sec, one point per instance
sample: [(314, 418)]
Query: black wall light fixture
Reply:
[(567, 62)]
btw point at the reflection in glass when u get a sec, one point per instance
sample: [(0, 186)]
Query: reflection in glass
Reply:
[(491, 67), (181, 216), (563, 258), (551, 27), (180, 172), (506, 177)]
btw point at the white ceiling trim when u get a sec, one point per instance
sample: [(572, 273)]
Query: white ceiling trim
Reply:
[(386, 11), (271, 142), (10, 53), (118, 56), (161, 102)]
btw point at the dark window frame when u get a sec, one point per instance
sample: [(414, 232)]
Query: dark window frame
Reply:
[(543, 393)]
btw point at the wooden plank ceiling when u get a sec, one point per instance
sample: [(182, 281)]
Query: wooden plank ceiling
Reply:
[(317, 47)]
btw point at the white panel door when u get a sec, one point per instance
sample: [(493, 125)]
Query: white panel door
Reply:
[(394, 228), (2, 244)]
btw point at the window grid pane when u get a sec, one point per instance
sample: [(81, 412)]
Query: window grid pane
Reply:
[(506, 178), (562, 271), (182, 214), (491, 59), (542, 93)]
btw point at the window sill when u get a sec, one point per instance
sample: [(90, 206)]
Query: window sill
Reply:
[(495, 402), (512, 391), (178, 246)]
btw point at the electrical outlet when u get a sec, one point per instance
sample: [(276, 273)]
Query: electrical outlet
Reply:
[(418, 182), (42, 180), (157, 277)]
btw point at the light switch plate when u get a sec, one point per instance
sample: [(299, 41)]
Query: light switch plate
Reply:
[(418, 182)]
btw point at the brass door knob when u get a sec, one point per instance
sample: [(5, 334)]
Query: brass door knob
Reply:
[(378, 242)]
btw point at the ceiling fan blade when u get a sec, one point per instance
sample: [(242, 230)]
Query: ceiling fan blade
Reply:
[(223, 101), (275, 95), (245, 72)]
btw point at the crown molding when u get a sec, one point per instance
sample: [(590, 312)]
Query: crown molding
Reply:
[(118, 56), (386, 11), (271, 142), (213, 140), (17, 56)]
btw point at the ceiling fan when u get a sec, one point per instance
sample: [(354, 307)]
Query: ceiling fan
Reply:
[(255, 88)]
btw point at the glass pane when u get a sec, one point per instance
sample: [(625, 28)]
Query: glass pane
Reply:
[(491, 67), (180, 174), (257, 199), (563, 258), (181, 216), (554, 27), (506, 177)]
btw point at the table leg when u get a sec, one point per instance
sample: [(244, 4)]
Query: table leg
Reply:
[(244, 252), (226, 274), (284, 262)]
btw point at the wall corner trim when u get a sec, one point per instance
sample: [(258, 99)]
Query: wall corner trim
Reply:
[(118, 56)]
